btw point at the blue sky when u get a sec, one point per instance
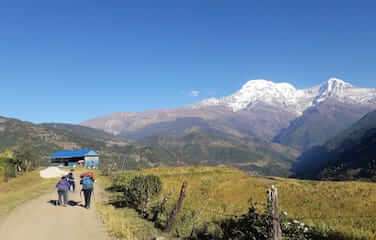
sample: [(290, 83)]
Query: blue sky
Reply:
[(68, 61)]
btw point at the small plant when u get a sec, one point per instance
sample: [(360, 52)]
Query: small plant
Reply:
[(296, 230)]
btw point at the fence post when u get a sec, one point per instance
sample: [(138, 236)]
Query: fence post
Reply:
[(172, 218), (276, 232)]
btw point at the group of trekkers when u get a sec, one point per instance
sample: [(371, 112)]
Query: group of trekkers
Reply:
[(67, 183)]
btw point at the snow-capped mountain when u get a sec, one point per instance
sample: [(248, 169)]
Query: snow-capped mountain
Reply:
[(286, 96), (261, 109)]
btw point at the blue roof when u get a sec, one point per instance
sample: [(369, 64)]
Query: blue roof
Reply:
[(74, 153)]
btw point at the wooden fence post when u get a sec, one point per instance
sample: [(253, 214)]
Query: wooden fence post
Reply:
[(172, 218), (276, 232)]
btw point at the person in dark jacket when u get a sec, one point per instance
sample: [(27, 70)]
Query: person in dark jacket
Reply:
[(87, 183), (62, 190), (72, 183)]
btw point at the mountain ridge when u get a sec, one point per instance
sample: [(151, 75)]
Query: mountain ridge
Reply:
[(261, 111), (348, 155), (288, 96), (260, 108), (319, 124)]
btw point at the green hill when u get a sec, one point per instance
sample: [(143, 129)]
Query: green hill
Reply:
[(191, 146), (43, 139), (200, 146)]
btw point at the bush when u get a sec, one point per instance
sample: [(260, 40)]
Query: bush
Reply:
[(121, 181), (140, 190), (7, 169)]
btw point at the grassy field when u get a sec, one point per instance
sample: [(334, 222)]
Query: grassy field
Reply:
[(22, 189), (215, 193)]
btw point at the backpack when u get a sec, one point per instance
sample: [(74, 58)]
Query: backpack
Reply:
[(87, 183)]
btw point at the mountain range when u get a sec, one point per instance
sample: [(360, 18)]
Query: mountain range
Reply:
[(262, 128), (260, 109)]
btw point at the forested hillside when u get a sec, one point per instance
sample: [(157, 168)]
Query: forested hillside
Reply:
[(195, 145), (42, 139), (349, 155), (212, 148)]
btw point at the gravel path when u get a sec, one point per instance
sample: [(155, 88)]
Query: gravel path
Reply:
[(39, 219)]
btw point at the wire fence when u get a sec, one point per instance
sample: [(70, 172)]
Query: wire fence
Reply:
[(228, 215)]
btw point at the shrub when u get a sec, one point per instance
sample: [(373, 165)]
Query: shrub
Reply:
[(140, 190), (120, 182)]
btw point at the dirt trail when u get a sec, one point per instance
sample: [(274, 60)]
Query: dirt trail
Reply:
[(41, 220)]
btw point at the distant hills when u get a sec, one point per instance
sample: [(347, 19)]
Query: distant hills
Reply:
[(189, 147), (46, 138), (349, 155), (200, 146)]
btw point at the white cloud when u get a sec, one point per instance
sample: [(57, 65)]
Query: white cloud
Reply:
[(194, 93)]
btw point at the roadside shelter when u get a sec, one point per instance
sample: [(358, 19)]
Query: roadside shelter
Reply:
[(84, 157)]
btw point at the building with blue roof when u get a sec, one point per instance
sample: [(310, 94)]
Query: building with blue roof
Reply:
[(84, 157)]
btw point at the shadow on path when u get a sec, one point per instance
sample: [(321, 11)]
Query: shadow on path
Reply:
[(70, 203)]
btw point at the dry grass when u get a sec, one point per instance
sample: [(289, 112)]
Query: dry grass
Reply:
[(125, 223), (219, 192), (22, 189), (216, 193)]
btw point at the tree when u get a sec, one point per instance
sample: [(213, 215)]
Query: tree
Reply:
[(26, 158), (7, 167)]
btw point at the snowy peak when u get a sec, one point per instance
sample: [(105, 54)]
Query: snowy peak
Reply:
[(261, 90), (262, 84), (335, 82), (286, 96), (334, 87)]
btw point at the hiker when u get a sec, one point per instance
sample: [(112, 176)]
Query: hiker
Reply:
[(62, 190), (87, 183), (72, 183)]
